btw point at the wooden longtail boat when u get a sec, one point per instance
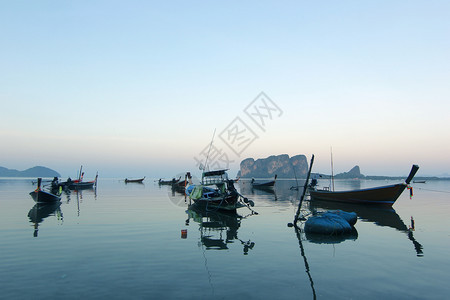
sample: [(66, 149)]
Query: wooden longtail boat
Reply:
[(168, 182), (134, 180), (383, 195), (216, 191), (264, 185), (82, 185), (44, 197), (180, 185), (41, 196), (75, 184)]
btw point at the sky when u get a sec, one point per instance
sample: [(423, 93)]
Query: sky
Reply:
[(141, 88)]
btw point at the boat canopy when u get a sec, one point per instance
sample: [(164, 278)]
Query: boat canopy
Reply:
[(214, 177), (215, 173)]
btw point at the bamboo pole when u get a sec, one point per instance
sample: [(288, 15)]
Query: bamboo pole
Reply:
[(305, 187)]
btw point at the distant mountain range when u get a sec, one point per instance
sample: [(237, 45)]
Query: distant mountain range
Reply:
[(297, 166), (284, 167), (37, 171)]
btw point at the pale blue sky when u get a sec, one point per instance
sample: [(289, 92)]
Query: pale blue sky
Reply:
[(134, 88)]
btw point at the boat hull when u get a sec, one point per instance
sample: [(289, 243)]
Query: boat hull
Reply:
[(44, 197), (264, 185), (227, 203), (384, 195), (169, 182), (81, 185), (134, 180)]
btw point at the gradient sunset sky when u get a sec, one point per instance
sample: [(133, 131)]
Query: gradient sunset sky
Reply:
[(137, 88)]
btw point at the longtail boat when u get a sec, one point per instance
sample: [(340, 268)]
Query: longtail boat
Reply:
[(264, 185), (42, 196), (82, 185), (75, 184), (134, 180), (216, 191), (382, 195), (168, 182), (79, 184)]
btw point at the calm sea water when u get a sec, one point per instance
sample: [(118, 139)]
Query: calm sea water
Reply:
[(127, 241)]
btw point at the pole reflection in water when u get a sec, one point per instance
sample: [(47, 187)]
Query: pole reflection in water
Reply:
[(416, 244), (40, 211), (302, 251), (79, 195), (318, 239)]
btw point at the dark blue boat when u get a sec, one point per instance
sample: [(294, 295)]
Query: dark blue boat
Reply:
[(39, 195)]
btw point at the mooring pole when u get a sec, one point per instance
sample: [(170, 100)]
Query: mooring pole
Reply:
[(305, 187)]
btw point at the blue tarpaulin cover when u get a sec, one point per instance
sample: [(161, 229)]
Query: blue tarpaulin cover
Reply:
[(331, 222)]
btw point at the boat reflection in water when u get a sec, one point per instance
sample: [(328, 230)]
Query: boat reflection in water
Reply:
[(380, 216), (218, 228), (40, 211), (78, 194), (269, 194)]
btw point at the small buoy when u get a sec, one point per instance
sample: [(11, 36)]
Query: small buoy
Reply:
[(183, 233)]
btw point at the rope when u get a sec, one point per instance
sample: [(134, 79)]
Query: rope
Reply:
[(447, 192), (218, 207)]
